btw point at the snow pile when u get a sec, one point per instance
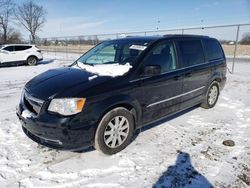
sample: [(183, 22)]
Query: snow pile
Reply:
[(27, 114), (92, 77), (112, 70)]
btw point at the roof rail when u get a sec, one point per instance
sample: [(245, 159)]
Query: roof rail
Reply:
[(185, 35)]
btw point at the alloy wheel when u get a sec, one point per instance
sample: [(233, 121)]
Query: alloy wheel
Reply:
[(213, 94), (116, 132), (32, 61)]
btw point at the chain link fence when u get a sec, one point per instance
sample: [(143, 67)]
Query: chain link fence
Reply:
[(235, 40)]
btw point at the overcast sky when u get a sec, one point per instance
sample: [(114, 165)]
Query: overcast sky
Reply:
[(78, 17)]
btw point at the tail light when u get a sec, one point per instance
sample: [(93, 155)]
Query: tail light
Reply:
[(37, 49)]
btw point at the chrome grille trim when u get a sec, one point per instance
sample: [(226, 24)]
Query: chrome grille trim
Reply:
[(34, 104), (31, 98)]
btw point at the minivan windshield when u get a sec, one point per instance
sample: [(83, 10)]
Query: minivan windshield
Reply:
[(111, 52)]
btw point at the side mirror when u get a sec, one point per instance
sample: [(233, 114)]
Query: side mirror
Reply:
[(151, 70)]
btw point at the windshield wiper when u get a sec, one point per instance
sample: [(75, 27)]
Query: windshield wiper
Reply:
[(85, 63), (109, 62)]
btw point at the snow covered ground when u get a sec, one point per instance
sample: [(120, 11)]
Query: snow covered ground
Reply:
[(184, 151)]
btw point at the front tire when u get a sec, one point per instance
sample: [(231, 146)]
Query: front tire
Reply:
[(114, 131), (212, 95), (32, 60)]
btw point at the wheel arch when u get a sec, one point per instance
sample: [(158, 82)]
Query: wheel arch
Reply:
[(31, 55), (215, 77), (121, 101)]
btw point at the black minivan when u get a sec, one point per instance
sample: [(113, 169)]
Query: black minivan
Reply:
[(119, 86)]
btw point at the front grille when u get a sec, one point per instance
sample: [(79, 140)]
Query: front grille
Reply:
[(32, 104)]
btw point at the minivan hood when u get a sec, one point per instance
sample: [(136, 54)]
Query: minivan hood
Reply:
[(55, 81)]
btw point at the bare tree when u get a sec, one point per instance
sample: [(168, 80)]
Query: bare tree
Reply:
[(245, 38), (14, 36), (6, 11), (32, 17)]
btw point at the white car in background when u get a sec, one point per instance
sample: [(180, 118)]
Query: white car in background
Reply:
[(16, 54)]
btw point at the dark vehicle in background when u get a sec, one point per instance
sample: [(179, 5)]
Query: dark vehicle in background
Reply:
[(76, 107), (19, 54)]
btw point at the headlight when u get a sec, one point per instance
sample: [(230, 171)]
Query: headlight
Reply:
[(67, 106)]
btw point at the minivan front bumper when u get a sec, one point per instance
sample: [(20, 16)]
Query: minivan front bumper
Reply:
[(66, 133)]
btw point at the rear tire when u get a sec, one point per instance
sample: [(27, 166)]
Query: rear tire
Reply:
[(212, 95), (32, 60), (114, 131)]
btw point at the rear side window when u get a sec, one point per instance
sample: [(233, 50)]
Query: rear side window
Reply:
[(9, 48), (192, 52), (21, 48), (213, 49)]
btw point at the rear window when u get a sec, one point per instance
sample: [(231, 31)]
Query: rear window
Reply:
[(192, 52), (213, 49), (21, 48)]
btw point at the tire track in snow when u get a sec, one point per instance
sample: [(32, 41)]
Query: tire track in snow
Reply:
[(38, 168)]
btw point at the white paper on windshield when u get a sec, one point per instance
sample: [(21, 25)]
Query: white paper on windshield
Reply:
[(137, 47)]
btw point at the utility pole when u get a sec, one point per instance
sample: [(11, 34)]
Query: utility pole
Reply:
[(158, 25)]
